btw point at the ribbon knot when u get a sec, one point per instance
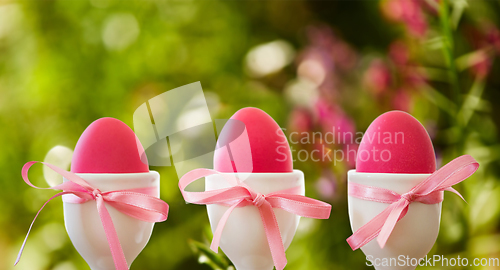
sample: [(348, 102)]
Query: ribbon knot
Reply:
[(409, 196), (429, 191), (258, 200), (241, 195), (139, 203), (96, 193)]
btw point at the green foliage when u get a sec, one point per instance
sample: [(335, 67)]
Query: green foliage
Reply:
[(66, 63)]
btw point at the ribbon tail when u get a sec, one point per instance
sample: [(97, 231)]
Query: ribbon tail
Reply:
[(29, 230), (220, 227), (456, 192), (369, 231), (391, 221), (111, 236), (273, 235)]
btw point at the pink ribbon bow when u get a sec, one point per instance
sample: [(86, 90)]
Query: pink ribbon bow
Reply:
[(429, 191), (138, 203), (241, 195)]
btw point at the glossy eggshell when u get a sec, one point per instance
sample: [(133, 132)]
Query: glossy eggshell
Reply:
[(269, 149), (108, 146), (396, 142)]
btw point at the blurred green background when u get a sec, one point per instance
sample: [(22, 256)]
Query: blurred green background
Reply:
[(312, 65)]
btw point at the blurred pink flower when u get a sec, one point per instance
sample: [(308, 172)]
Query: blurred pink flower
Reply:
[(399, 52), (321, 41), (344, 56), (325, 113), (326, 185), (493, 37), (316, 64), (312, 68), (329, 89), (377, 77), (484, 35), (320, 35), (402, 101), (347, 128), (333, 119), (413, 77), (482, 68), (485, 39), (409, 75), (300, 121), (409, 12), (333, 51)]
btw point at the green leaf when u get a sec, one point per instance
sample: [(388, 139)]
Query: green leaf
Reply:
[(207, 256)]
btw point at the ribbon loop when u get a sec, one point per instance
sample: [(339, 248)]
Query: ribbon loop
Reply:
[(240, 195), (429, 191), (138, 203)]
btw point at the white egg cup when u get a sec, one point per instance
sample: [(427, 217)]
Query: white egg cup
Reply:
[(243, 238), (413, 236), (85, 228)]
